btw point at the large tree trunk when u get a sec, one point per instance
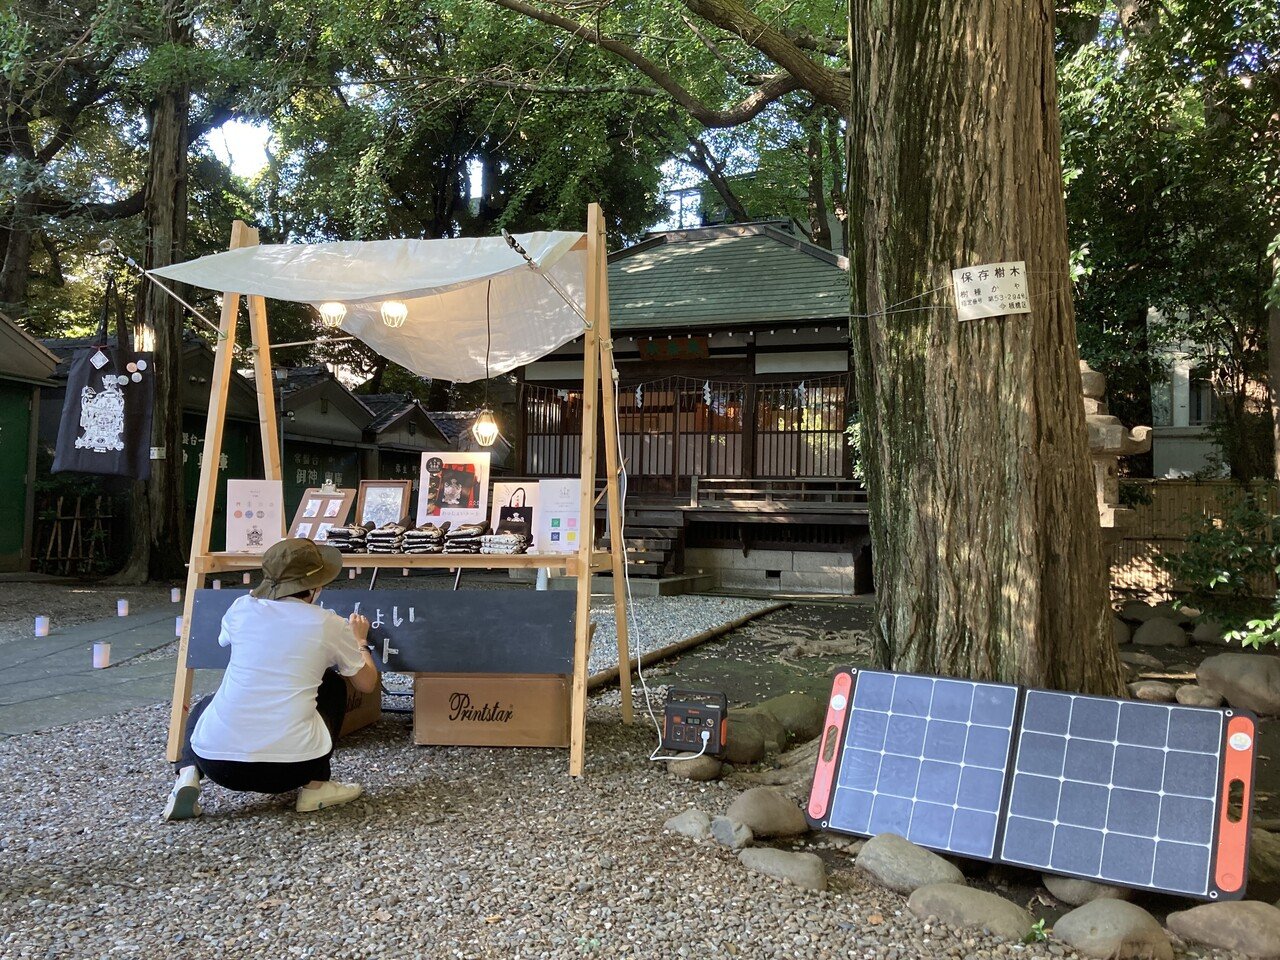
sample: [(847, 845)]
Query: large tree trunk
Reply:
[(161, 536), (1273, 360), (988, 554)]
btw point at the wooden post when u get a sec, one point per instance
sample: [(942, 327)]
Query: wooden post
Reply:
[(264, 386), (223, 370), (598, 266), (587, 501)]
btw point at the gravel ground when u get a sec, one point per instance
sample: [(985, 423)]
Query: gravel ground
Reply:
[(453, 853), (68, 604), (456, 853)]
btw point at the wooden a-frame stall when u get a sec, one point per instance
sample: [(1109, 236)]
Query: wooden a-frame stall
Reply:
[(599, 400)]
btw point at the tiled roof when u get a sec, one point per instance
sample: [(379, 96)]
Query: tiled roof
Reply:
[(386, 407), (452, 423), (728, 275)]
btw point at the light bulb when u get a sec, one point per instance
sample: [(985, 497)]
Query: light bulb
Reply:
[(394, 313), (485, 429), (333, 313)]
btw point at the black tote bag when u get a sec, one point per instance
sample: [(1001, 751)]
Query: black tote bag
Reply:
[(516, 517), (106, 417)]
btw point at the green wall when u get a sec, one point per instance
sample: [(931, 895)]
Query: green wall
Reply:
[(238, 444), (15, 444)]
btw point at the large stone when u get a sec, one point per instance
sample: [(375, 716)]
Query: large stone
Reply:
[(771, 729), (768, 813), (960, 906), (1208, 631), (1114, 929), (900, 865), (1264, 858), (730, 833), (1160, 633), (800, 715), (1194, 695), (1076, 892), (743, 742), (1120, 630), (1143, 661), (1178, 613), (1153, 691), (1137, 611), (690, 766), (693, 824), (803, 869), (1251, 681), (1250, 926)]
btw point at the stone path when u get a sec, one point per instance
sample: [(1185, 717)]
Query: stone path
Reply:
[(50, 681)]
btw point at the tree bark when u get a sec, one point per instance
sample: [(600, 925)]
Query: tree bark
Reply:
[(1273, 358), (987, 551), (161, 536)]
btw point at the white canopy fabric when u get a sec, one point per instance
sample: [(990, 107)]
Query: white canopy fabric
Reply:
[(451, 288)]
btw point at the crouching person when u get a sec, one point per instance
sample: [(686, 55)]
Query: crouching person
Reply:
[(273, 722)]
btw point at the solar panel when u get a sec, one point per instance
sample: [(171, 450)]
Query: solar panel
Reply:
[(1118, 791), (922, 757), (1138, 794)]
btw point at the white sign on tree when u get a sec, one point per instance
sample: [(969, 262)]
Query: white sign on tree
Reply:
[(991, 290)]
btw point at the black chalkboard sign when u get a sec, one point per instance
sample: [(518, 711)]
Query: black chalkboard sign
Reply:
[(429, 631)]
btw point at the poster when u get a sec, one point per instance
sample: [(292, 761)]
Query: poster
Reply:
[(255, 515), (515, 509), (559, 526), (454, 487), (991, 290)]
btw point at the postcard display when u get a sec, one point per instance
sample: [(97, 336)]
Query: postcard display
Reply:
[(454, 486), (319, 511)]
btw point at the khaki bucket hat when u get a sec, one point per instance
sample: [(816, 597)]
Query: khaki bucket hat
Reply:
[(293, 565)]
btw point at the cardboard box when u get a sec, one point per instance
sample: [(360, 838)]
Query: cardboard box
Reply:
[(491, 709), (362, 708)]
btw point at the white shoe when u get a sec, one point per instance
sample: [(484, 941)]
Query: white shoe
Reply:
[(331, 793), (184, 797)]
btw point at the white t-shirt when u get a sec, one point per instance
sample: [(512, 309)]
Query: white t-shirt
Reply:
[(265, 708)]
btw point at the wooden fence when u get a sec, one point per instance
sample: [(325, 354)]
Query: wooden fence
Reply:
[(1161, 526)]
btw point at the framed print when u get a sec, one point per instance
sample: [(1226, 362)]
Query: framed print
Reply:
[(255, 515), (383, 501), (319, 510), (454, 487)]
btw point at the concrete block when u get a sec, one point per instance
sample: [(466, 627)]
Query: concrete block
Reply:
[(821, 562), (815, 581)]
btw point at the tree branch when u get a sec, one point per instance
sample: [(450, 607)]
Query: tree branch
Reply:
[(831, 87), (775, 86)]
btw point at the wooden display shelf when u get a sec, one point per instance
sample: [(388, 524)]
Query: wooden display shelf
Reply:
[(221, 562), (597, 392)]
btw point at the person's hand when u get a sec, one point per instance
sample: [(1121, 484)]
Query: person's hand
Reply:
[(360, 627)]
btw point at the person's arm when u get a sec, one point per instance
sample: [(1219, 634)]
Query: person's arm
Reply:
[(366, 679)]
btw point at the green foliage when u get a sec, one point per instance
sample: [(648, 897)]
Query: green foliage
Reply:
[(1038, 933), (1223, 561), (1168, 154)]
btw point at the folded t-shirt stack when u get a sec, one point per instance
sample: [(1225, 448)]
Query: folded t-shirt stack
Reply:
[(388, 538), (464, 538), (504, 544), (349, 539), (428, 538)]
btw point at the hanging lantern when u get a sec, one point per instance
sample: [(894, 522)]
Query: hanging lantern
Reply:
[(333, 313), (485, 429), (394, 313)]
